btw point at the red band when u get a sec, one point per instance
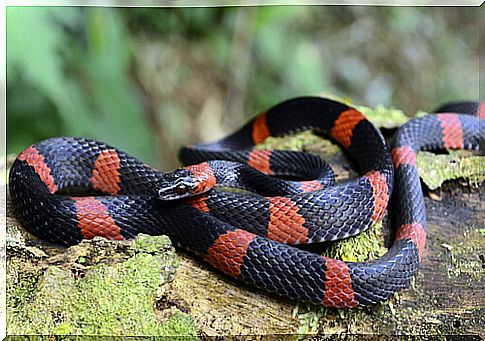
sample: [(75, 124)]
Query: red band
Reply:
[(403, 156), (94, 220), (380, 193), (452, 131), (310, 186), (33, 158), (416, 233), (344, 126), (481, 110), (339, 292), (106, 175), (227, 253), (199, 202), (260, 159), (285, 222), (203, 175), (260, 129)]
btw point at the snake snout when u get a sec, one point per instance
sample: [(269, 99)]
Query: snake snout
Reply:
[(175, 185)]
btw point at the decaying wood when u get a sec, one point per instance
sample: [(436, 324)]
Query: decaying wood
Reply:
[(446, 297)]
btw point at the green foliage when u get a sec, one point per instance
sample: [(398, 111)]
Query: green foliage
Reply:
[(150, 79), (68, 74), (193, 23)]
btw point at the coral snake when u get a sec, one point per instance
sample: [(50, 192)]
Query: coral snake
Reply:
[(253, 235)]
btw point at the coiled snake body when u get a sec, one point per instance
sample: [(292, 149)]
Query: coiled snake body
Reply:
[(250, 236)]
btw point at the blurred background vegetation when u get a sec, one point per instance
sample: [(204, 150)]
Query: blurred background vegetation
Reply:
[(150, 79)]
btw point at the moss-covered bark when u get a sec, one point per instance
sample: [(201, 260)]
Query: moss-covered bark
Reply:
[(446, 297), (98, 287), (106, 288)]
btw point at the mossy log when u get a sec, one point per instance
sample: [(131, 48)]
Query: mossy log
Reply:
[(447, 295)]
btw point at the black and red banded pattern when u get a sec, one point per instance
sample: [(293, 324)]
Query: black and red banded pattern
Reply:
[(432, 132), (232, 231)]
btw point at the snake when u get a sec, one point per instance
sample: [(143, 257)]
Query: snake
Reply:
[(66, 189)]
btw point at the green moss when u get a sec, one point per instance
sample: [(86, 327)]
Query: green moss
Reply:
[(436, 169), (20, 286), (362, 247), (365, 246), (384, 117), (295, 142), (109, 300), (179, 324), (149, 244), (309, 318)]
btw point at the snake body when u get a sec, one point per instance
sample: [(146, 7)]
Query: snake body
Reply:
[(250, 236)]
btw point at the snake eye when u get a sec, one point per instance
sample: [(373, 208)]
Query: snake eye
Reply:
[(181, 189)]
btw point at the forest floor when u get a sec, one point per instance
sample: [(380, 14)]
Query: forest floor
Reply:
[(144, 287)]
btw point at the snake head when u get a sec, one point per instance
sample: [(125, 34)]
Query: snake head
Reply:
[(186, 182)]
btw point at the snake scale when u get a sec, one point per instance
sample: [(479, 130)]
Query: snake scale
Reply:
[(253, 236)]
